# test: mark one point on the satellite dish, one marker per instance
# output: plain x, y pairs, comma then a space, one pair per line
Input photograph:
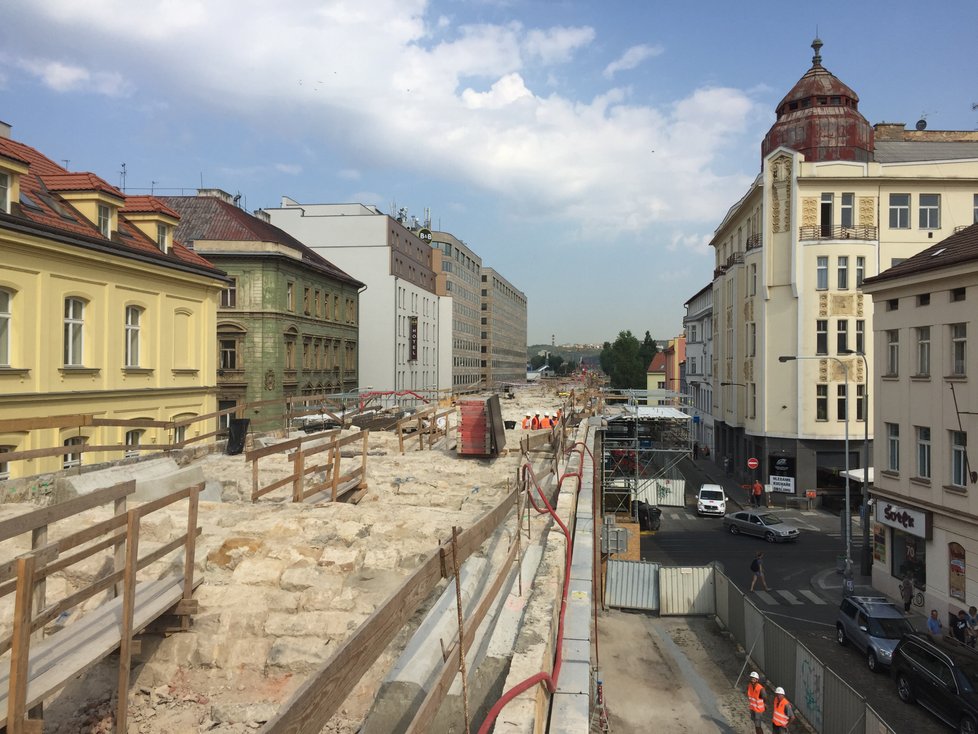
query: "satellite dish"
921, 124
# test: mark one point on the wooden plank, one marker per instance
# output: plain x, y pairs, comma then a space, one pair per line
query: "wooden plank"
52, 421
14, 526
272, 487
21, 648
312, 705
128, 610
9, 570
278, 448
130, 422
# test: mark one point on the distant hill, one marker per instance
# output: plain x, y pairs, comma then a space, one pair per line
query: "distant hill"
570, 352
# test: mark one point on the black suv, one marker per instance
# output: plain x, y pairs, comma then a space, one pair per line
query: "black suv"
942, 676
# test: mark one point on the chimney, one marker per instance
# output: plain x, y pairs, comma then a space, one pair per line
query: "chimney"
4, 130
889, 130
216, 194
263, 215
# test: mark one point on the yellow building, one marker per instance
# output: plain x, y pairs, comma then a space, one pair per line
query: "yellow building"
102, 317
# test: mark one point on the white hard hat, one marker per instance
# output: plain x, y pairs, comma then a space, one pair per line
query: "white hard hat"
754, 675
779, 691
527, 415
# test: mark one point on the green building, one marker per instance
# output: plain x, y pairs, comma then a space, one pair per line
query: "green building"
288, 323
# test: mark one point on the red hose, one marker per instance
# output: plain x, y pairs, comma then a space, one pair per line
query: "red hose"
550, 679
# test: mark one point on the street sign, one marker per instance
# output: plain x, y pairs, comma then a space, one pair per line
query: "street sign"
752, 463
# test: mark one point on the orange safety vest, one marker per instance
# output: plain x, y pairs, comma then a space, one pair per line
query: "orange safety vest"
754, 697
535, 423
545, 422
526, 423
779, 717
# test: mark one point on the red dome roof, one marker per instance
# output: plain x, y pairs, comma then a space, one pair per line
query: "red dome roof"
820, 118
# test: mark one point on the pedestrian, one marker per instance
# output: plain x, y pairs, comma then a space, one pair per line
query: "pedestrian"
960, 627
755, 700
535, 423
526, 422
934, 624
906, 592
726, 465
757, 568
696, 451
782, 713
972, 625
757, 493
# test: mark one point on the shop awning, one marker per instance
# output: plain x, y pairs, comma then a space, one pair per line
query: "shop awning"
857, 474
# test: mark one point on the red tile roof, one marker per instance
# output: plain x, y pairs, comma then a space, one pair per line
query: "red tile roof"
658, 363
959, 248
205, 218
42, 208
147, 204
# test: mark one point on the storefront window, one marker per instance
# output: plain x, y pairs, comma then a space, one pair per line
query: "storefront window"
908, 557
956, 566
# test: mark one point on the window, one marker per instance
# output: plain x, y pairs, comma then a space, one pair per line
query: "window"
5, 465
289, 353
846, 211
842, 336
841, 402
752, 391
132, 443
5, 195
930, 211
975, 206
306, 299
893, 304
860, 271
223, 421
104, 220
822, 336
957, 294
228, 353
923, 350
892, 352
893, 447
133, 315
318, 298
923, 299
73, 327
161, 232
843, 272
753, 279
751, 339
179, 434
72, 459
959, 343
229, 296
959, 458
899, 211
5, 299
826, 215
290, 296
821, 402
861, 336
860, 402
822, 273
923, 452
692, 333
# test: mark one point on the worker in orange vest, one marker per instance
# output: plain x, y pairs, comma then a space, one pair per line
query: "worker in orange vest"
535, 423
545, 423
782, 714
526, 423
755, 700
557, 416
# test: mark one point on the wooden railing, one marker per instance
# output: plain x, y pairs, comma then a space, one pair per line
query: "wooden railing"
39, 664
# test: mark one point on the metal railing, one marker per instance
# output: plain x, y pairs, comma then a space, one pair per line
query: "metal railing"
754, 241
830, 232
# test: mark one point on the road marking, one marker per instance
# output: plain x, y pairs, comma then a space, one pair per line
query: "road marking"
812, 596
766, 598
810, 512
792, 599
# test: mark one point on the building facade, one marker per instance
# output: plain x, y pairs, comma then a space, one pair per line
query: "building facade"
404, 324
503, 334
135, 315
925, 508
462, 269
698, 325
288, 319
836, 202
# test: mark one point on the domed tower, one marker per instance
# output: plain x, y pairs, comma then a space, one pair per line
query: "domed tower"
820, 118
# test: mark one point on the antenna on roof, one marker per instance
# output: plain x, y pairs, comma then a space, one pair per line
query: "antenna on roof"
122, 177
152, 186
66, 162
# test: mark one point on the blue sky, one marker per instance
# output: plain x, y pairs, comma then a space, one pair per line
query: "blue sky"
587, 150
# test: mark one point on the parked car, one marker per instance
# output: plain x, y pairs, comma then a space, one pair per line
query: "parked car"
765, 525
941, 675
711, 500
872, 624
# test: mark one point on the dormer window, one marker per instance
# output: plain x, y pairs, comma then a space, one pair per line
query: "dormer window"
104, 220
4, 193
161, 236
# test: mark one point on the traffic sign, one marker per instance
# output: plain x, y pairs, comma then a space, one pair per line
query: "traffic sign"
752, 463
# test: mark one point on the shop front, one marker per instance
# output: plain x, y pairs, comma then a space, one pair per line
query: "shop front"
900, 539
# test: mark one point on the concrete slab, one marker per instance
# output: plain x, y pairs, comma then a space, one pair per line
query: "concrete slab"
155, 478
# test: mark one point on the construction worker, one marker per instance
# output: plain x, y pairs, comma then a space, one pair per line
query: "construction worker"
782, 714
526, 422
755, 700
535, 423
545, 423
557, 416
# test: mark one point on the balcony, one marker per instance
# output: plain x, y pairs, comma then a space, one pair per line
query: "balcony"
826, 232
754, 241
736, 258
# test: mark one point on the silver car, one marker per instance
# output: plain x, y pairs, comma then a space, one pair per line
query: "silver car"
874, 625
765, 525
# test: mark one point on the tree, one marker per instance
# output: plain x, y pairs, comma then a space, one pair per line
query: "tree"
624, 361
648, 350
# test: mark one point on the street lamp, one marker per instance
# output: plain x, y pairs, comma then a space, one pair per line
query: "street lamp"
866, 557
848, 520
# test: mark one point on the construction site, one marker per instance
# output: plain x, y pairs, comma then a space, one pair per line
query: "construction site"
421, 568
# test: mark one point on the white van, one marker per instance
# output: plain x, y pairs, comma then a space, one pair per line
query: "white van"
711, 500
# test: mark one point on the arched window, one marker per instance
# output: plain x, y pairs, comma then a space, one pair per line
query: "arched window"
74, 332
5, 318
133, 439
73, 459
133, 317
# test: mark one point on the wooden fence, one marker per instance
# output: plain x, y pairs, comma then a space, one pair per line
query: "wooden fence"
39, 664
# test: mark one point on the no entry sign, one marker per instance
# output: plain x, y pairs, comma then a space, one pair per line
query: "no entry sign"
752, 463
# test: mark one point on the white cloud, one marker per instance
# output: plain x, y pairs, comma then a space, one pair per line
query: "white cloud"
293, 169
631, 59
350, 174
62, 77
421, 87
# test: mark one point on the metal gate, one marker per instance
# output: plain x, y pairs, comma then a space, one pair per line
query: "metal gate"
632, 585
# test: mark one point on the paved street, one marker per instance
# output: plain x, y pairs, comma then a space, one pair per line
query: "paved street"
804, 589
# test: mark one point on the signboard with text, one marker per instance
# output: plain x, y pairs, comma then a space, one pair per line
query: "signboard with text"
782, 484
781, 473
902, 518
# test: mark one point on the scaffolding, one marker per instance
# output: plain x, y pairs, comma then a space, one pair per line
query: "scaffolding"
641, 450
